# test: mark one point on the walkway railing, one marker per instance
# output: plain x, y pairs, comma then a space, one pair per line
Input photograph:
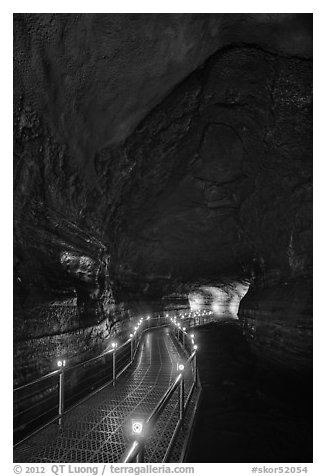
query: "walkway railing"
142, 431
45, 400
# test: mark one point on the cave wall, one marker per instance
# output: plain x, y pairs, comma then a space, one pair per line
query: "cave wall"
277, 321
157, 153
223, 301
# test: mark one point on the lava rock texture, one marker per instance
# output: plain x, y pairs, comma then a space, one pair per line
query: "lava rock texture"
156, 154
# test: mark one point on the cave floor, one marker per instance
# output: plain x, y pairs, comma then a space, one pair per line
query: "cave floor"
248, 413
96, 430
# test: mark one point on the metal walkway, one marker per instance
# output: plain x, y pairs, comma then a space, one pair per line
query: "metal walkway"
95, 431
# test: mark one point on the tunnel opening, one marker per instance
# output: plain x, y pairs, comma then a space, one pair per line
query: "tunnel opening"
223, 301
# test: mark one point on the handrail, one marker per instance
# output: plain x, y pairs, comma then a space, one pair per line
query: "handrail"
132, 453
164, 401
166, 397
33, 382
75, 366
136, 450
116, 367
80, 364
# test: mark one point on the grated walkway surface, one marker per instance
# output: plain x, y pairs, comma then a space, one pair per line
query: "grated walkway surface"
95, 431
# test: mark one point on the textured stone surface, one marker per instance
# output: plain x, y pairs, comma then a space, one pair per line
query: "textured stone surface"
135, 179
277, 322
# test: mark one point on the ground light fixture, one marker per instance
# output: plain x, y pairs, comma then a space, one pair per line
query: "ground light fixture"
61, 363
131, 336
181, 367
114, 345
195, 347
137, 428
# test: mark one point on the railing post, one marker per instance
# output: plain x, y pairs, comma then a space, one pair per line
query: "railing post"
181, 397
114, 345
61, 396
195, 368
61, 364
184, 337
131, 347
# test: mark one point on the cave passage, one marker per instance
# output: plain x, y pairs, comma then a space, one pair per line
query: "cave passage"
163, 165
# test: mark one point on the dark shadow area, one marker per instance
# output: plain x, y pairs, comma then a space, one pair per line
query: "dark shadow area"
247, 413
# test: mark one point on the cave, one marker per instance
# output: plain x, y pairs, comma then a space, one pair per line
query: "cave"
163, 164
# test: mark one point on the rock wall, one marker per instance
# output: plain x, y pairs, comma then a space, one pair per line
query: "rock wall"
145, 168
277, 321
222, 300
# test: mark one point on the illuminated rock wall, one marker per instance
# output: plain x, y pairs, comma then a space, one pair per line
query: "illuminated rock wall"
223, 300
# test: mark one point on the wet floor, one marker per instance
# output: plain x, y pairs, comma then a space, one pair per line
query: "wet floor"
247, 414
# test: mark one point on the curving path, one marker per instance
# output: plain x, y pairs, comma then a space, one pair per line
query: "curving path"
95, 431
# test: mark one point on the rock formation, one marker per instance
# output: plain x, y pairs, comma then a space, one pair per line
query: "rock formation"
159, 154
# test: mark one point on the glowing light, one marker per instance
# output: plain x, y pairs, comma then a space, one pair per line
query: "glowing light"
184, 329
131, 335
61, 363
195, 347
114, 345
181, 367
196, 301
135, 329
192, 336
137, 427
148, 317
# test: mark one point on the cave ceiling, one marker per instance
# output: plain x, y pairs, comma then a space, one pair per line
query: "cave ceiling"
153, 149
